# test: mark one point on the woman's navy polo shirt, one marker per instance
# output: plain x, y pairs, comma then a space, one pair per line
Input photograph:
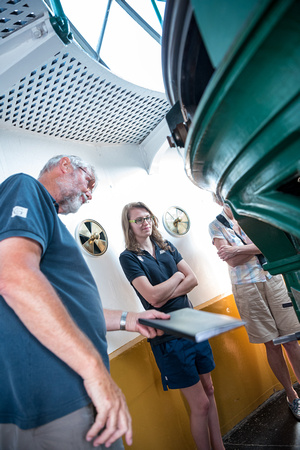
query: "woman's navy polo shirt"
156, 270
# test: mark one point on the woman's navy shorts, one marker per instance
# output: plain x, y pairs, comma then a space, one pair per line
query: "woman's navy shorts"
180, 362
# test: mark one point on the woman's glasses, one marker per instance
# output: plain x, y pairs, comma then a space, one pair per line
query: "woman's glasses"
141, 220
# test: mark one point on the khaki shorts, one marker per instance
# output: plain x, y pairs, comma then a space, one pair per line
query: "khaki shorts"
66, 433
260, 306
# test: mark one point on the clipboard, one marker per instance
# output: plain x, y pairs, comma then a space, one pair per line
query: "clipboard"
196, 325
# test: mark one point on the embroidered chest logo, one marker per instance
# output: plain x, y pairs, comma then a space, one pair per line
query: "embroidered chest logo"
19, 211
140, 258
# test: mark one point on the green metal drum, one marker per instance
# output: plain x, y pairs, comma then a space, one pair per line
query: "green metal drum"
243, 138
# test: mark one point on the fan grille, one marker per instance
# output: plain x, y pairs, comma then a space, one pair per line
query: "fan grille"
92, 237
176, 221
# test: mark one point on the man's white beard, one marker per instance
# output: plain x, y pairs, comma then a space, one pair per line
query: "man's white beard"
72, 199
70, 205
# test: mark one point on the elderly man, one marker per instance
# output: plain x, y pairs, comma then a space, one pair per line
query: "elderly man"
56, 391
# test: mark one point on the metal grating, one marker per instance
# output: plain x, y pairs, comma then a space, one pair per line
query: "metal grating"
71, 96
15, 14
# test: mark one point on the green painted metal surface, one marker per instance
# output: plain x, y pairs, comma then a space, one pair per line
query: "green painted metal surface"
60, 22
221, 22
244, 140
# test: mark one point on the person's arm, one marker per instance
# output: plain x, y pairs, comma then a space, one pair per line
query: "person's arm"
37, 305
113, 317
189, 282
159, 294
235, 255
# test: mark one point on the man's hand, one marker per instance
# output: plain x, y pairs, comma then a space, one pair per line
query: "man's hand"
113, 419
132, 323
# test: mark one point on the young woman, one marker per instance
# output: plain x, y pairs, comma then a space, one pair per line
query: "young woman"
162, 279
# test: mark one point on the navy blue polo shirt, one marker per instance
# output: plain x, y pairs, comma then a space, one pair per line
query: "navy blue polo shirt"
36, 387
157, 270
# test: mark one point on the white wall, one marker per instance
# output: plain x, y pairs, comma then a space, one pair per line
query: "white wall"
123, 179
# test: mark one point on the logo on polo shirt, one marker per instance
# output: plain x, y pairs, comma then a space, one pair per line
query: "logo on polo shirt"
162, 251
19, 211
140, 258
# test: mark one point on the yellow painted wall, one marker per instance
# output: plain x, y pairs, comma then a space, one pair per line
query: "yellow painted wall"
242, 380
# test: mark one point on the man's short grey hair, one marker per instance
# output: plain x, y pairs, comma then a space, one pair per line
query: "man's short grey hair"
76, 162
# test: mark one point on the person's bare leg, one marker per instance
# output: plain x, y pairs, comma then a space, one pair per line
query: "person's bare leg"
199, 405
293, 353
213, 416
279, 367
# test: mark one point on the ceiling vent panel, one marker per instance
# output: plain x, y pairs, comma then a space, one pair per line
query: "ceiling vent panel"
61, 91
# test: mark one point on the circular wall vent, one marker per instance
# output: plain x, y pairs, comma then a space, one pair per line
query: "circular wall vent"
92, 237
176, 221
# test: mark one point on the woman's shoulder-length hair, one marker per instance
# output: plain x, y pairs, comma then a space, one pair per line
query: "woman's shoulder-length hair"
130, 240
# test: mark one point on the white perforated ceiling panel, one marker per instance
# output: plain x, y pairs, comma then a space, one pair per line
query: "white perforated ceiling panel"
15, 14
69, 95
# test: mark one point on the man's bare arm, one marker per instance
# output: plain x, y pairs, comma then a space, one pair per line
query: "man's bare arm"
112, 319
37, 305
235, 255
